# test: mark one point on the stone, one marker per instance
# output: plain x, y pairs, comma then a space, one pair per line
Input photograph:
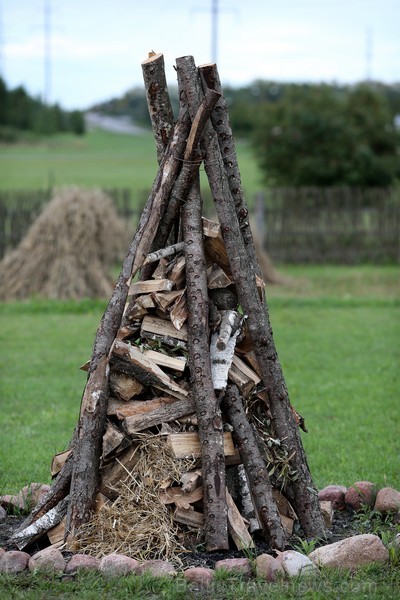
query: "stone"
14, 561
359, 494
351, 553
27, 497
199, 575
294, 563
241, 565
2, 551
335, 494
50, 559
157, 568
3, 513
327, 512
118, 564
268, 567
82, 561
387, 500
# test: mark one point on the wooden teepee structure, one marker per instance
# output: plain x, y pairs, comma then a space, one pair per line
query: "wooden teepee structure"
195, 328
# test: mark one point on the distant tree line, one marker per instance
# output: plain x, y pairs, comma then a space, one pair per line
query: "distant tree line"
307, 134
20, 112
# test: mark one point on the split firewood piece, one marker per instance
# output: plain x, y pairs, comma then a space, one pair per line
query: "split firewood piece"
187, 445
249, 512
121, 409
124, 386
216, 253
154, 328
164, 360
58, 462
139, 307
217, 278
181, 499
190, 518
222, 348
286, 512
177, 273
191, 480
128, 359
211, 229
56, 534
37, 529
151, 285
244, 377
178, 312
236, 525
164, 253
156, 412
163, 300
112, 438
256, 470
117, 471
162, 269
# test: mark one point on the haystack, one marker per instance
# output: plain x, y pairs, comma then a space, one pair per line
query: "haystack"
68, 251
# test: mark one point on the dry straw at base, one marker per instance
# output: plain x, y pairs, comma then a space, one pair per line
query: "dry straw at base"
68, 251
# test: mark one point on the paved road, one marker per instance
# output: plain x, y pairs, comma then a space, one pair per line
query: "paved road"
116, 124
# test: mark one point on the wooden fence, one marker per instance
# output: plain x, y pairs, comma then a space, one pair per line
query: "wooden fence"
305, 225
19, 209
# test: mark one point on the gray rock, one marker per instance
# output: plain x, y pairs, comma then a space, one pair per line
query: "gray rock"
50, 559
387, 500
14, 561
118, 564
199, 575
242, 565
335, 494
82, 561
268, 567
359, 494
351, 552
157, 568
294, 563
2, 551
3, 513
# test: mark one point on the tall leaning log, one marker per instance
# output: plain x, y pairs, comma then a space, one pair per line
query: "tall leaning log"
91, 425
305, 495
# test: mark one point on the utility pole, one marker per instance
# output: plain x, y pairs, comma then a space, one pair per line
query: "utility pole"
47, 51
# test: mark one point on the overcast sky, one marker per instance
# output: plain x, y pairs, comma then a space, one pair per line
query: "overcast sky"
97, 46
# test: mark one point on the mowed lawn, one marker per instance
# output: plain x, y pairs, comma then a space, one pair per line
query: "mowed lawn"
337, 331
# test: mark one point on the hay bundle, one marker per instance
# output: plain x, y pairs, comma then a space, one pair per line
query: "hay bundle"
137, 523
68, 251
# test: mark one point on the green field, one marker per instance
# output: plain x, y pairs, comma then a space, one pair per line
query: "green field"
99, 159
337, 331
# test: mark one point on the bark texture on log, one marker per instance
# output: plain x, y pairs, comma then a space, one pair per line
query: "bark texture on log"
158, 101
256, 470
305, 496
207, 408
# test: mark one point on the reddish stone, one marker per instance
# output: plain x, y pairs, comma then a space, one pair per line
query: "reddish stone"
118, 564
14, 561
242, 565
351, 553
82, 561
335, 494
387, 500
27, 498
157, 568
267, 567
3, 513
200, 575
49, 559
360, 494
2, 551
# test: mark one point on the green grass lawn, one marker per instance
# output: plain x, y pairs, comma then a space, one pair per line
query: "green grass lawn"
98, 159
337, 331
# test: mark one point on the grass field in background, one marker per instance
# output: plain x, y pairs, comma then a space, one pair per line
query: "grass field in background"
337, 330
98, 159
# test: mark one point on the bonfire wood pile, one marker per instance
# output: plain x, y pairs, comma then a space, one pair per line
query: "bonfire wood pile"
184, 355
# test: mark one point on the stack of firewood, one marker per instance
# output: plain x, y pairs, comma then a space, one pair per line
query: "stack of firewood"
186, 352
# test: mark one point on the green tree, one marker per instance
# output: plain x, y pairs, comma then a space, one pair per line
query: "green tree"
325, 136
